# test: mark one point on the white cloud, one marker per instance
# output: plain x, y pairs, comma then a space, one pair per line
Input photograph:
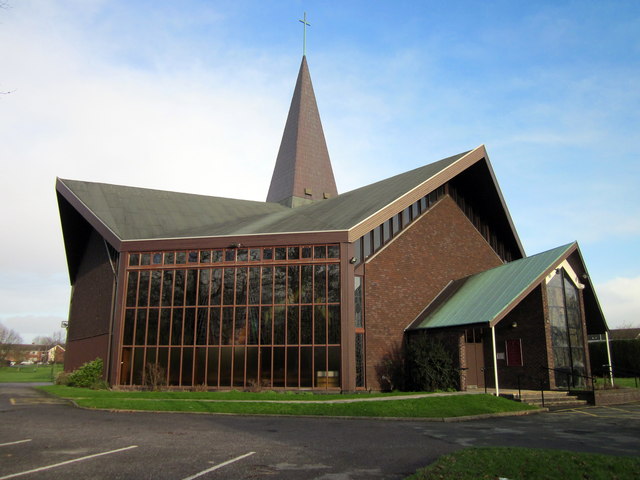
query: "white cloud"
620, 301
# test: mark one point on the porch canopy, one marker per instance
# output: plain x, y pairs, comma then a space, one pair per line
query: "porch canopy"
485, 298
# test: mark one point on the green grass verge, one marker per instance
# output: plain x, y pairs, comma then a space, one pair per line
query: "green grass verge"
72, 392
529, 464
254, 403
28, 373
625, 382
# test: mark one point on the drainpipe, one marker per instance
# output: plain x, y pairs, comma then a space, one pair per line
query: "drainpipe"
114, 289
495, 360
606, 337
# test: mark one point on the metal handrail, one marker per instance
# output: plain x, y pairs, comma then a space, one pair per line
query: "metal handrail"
572, 374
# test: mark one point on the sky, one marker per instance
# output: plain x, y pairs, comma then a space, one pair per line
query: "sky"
192, 96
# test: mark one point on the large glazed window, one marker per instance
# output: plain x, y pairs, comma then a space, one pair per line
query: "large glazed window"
567, 337
240, 317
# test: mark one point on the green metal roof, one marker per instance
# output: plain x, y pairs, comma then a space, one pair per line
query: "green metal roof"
483, 297
142, 214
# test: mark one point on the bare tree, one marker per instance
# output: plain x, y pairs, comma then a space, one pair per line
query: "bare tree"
9, 339
57, 338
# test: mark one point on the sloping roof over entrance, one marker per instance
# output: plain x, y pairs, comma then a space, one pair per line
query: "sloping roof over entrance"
487, 297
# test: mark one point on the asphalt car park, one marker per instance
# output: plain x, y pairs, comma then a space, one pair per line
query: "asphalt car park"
45, 438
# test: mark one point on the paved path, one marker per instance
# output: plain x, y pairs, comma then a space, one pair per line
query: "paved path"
75, 443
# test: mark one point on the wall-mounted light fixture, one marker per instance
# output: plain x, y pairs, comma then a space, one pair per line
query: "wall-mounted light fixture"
353, 260
514, 325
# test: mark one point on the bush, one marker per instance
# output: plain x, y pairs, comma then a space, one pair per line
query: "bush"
89, 375
429, 365
155, 376
62, 378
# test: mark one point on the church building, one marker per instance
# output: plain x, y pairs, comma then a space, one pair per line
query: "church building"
317, 290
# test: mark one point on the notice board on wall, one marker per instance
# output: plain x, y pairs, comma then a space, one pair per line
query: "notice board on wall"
514, 352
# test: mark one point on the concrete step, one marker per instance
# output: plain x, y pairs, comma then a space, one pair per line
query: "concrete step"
551, 399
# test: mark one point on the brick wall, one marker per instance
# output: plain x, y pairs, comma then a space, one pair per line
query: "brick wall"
81, 351
90, 311
409, 272
532, 330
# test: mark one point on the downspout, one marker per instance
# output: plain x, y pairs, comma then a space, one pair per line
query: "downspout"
495, 360
606, 337
114, 290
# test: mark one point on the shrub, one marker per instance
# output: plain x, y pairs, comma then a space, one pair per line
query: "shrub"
155, 376
62, 378
89, 375
391, 369
429, 365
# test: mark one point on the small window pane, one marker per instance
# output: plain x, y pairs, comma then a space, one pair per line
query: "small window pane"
178, 289
266, 317
216, 256
254, 254
145, 259
377, 238
181, 257
157, 258
169, 258
134, 259
279, 325
333, 251
406, 217
243, 255
366, 245
193, 257
320, 252
205, 256
229, 255
281, 253
132, 288
293, 253
395, 224
306, 252
176, 327
267, 284
214, 326
267, 254
143, 289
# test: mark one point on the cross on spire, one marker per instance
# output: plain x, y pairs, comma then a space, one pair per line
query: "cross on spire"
304, 33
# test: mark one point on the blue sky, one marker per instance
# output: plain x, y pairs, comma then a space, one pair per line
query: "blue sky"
192, 96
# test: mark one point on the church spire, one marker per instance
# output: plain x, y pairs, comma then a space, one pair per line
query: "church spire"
303, 172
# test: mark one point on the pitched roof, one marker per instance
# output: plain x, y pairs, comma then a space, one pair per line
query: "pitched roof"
486, 297
303, 170
132, 213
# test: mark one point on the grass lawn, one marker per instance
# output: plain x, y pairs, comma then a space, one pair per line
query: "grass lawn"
529, 464
28, 373
289, 404
625, 382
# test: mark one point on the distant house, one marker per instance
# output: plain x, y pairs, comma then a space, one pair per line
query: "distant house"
56, 354
26, 353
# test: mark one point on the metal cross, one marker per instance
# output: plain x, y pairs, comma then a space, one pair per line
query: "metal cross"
304, 34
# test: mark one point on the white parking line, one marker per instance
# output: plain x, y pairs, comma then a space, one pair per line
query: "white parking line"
215, 467
15, 443
13, 475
